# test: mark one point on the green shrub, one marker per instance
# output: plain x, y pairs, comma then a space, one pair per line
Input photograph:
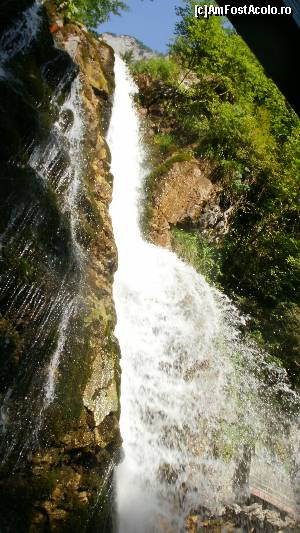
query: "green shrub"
196, 250
163, 68
165, 143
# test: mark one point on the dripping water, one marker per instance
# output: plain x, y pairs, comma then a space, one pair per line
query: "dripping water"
20, 35
56, 163
43, 160
201, 426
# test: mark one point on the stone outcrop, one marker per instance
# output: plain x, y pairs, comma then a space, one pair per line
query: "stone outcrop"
182, 194
181, 191
57, 461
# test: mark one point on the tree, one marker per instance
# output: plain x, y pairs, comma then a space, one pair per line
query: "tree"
91, 12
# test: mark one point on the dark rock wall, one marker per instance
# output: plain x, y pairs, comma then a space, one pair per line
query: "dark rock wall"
56, 271
10, 9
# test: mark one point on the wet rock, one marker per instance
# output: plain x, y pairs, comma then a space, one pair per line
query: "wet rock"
83, 497
254, 517
74, 444
101, 395
10, 10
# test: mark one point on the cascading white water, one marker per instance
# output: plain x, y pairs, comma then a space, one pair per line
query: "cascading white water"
194, 408
65, 179
43, 160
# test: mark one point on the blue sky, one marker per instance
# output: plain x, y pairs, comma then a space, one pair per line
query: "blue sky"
152, 22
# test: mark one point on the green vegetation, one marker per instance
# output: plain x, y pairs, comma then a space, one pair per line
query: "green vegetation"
215, 100
165, 143
196, 250
91, 12
162, 68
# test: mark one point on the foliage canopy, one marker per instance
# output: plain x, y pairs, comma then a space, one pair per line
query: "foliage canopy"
91, 12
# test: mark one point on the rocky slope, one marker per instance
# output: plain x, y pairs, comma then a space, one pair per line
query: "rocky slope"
59, 359
181, 191
184, 191
254, 517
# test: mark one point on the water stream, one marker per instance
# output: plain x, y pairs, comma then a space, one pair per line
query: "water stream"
66, 134
200, 421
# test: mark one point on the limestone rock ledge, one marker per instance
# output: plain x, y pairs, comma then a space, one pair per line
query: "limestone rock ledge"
62, 481
183, 192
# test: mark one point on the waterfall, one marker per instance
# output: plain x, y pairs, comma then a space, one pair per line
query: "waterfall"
66, 134
202, 425
67, 131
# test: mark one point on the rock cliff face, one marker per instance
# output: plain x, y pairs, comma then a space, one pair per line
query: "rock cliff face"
125, 44
59, 368
183, 192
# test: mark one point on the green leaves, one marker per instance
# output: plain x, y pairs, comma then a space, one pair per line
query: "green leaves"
162, 68
92, 12
196, 250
